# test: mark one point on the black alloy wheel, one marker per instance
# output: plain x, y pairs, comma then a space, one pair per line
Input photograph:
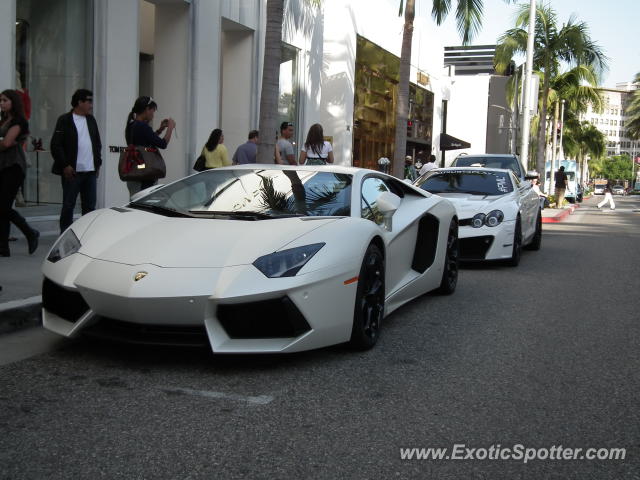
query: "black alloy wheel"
451, 262
517, 245
536, 241
369, 307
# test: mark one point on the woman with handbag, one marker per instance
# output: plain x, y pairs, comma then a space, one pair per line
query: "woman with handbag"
316, 150
138, 132
214, 152
14, 129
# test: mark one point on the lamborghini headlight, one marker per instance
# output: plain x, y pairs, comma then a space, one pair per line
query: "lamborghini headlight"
66, 245
478, 220
494, 218
286, 263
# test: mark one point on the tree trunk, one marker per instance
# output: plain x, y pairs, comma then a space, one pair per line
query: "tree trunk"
542, 141
402, 112
268, 125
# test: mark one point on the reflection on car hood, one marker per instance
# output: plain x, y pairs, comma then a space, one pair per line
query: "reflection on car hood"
135, 237
467, 205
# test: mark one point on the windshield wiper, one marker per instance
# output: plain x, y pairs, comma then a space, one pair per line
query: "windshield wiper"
167, 211
243, 214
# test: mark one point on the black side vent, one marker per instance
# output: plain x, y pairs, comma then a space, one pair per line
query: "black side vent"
277, 318
62, 302
119, 209
426, 243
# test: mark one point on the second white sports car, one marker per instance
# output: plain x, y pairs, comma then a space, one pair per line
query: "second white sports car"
498, 213
253, 258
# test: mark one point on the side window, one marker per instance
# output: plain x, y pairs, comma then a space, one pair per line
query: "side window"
371, 189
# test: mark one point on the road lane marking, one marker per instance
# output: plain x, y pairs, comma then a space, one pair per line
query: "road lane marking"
253, 400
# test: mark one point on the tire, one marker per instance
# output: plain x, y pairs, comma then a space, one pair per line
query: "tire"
517, 245
451, 261
536, 241
369, 306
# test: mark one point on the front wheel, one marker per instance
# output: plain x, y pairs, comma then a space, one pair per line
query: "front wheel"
517, 245
369, 307
450, 271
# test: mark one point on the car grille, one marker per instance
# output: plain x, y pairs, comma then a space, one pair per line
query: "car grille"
277, 318
475, 248
62, 302
127, 332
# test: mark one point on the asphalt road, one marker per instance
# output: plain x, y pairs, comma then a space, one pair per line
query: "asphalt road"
541, 355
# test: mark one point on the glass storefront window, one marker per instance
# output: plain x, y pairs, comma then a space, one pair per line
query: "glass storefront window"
376, 96
54, 57
288, 94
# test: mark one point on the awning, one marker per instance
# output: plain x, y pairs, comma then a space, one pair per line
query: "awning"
448, 142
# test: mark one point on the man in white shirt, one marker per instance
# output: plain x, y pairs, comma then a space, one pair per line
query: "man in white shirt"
76, 151
430, 165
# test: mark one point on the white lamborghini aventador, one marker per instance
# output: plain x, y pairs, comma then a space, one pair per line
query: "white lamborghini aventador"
498, 213
252, 258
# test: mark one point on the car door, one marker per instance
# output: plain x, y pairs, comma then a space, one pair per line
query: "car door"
401, 240
529, 207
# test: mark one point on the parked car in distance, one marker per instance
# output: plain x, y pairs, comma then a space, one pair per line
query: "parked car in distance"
492, 160
618, 190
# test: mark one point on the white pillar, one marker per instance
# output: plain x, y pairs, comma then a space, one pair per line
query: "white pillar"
117, 61
205, 73
7, 44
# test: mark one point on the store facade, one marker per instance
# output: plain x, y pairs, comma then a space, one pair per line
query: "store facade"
201, 61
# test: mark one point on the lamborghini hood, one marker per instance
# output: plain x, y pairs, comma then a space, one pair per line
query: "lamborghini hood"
136, 237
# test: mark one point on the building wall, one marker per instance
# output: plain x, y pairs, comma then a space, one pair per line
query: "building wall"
467, 114
206, 68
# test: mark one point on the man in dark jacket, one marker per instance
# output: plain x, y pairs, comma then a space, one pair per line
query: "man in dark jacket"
76, 152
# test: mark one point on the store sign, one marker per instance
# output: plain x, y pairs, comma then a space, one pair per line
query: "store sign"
423, 78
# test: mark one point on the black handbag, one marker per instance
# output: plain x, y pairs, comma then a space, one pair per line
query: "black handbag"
199, 166
141, 164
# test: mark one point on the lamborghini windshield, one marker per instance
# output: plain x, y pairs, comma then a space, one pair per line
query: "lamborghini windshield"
476, 182
254, 194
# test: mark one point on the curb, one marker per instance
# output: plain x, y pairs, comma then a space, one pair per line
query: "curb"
20, 314
561, 215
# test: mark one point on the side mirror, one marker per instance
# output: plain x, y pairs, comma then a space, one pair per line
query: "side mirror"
143, 193
388, 203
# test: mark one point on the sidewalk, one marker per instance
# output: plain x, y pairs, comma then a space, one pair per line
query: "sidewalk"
555, 215
21, 281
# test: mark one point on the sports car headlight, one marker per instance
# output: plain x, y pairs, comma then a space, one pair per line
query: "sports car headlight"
286, 263
66, 245
478, 220
494, 218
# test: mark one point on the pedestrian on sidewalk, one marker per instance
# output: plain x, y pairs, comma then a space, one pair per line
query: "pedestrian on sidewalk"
247, 152
535, 186
138, 132
608, 197
214, 151
561, 186
284, 148
316, 150
14, 129
76, 151
430, 165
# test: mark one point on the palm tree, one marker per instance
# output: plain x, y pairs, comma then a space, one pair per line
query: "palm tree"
570, 44
633, 112
268, 123
468, 19
585, 142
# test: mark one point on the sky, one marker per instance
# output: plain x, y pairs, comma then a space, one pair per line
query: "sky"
613, 24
